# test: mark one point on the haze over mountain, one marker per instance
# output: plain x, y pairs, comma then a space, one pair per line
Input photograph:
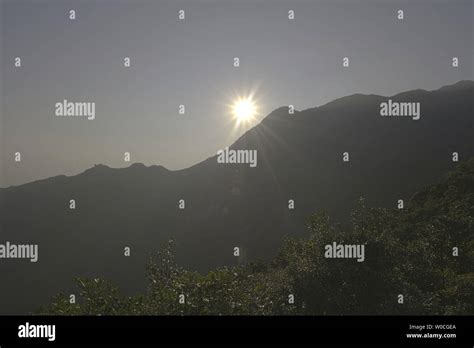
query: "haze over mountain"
190, 62
300, 157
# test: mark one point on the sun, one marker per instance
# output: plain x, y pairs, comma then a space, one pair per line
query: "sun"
244, 109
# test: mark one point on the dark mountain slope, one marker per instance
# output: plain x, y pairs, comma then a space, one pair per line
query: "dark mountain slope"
299, 157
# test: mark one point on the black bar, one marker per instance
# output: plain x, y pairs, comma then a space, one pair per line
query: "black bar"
346, 330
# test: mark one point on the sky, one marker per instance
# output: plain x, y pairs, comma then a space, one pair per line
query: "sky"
190, 62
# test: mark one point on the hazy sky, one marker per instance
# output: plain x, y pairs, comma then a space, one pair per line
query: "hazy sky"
190, 62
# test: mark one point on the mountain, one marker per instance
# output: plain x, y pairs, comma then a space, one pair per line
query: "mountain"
300, 157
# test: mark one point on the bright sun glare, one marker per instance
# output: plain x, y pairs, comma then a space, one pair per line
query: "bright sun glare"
244, 109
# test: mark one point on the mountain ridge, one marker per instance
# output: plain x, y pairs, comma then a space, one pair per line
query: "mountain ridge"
279, 113
228, 205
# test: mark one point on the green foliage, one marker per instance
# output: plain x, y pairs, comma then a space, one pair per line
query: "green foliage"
408, 252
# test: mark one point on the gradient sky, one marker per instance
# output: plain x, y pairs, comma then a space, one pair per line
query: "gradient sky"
190, 62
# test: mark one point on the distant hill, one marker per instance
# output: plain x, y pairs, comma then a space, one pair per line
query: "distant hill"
299, 158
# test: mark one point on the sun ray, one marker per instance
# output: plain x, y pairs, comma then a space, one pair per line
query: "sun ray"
241, 125
244, 109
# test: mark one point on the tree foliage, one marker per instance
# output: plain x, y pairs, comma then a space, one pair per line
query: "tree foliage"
408, 252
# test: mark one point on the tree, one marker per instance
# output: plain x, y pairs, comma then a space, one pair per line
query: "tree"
424, 253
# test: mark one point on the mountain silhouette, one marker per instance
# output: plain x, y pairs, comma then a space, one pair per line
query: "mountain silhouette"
300, 158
